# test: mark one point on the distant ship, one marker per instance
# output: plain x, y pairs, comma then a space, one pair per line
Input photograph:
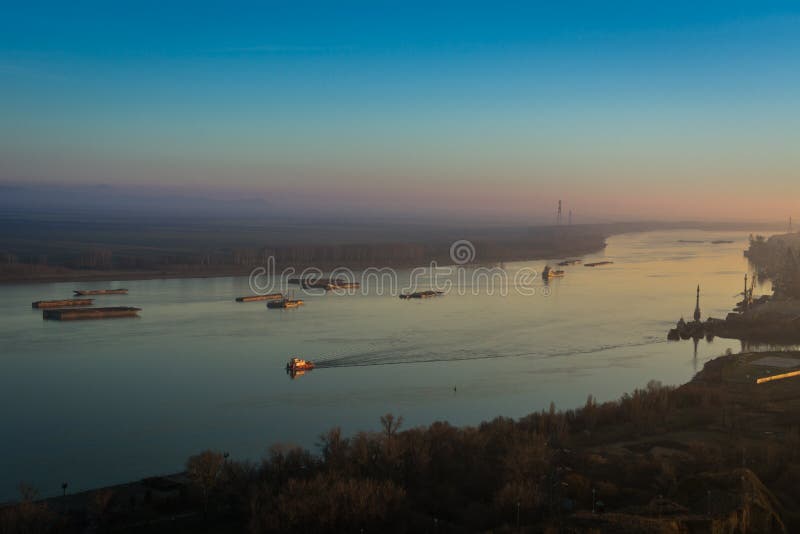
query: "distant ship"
565, 263
284, 303
551, 273
85, 292
298, 364
422, 294
297, 367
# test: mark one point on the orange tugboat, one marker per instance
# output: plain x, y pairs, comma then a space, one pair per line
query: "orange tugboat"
298, 367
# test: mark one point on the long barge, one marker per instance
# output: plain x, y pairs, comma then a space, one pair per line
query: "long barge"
84, 292
421, 295
256, 298
74, 314
63, 303
327, 284
597, 263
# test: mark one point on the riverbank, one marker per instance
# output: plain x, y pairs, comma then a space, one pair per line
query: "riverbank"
379, 257
718, 454
770, 318
70, 248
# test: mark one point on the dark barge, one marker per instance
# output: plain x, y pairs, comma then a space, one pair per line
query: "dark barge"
422, 295
75, 314
84, 292
328, 284
63, 303
256, 298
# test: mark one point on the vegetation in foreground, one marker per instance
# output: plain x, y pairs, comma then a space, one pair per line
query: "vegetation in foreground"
719, 454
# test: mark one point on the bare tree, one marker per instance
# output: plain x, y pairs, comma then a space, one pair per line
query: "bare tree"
391, 424
205, 469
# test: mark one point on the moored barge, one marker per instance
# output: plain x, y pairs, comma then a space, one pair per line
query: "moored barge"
63, 303
256, 298
74, 314
422, 294
84, 292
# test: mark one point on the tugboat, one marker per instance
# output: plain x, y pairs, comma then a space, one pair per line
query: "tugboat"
549, 273
285, 302
298, 367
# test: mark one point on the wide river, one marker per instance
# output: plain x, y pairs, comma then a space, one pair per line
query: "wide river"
94, 403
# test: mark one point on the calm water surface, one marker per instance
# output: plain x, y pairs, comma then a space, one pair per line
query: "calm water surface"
101, 402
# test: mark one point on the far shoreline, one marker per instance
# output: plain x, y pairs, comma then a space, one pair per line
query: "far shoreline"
493, 247
77, 276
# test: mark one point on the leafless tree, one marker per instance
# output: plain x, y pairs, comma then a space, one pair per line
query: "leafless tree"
205, 469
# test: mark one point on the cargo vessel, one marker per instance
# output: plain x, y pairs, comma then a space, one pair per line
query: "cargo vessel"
422, 294
549, 273
74, 314
84, 292
256, 298
284, 303
63, 303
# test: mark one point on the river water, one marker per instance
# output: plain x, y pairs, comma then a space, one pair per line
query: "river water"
100, 402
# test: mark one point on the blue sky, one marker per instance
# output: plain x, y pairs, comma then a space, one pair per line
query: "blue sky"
491, 108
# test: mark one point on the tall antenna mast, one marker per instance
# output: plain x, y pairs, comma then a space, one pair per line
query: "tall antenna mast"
697, 306
558, 216
569, 220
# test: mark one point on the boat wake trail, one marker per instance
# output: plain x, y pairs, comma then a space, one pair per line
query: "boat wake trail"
394, 358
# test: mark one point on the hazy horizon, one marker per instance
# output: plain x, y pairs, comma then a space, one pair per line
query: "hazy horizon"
454, 110
36, 200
